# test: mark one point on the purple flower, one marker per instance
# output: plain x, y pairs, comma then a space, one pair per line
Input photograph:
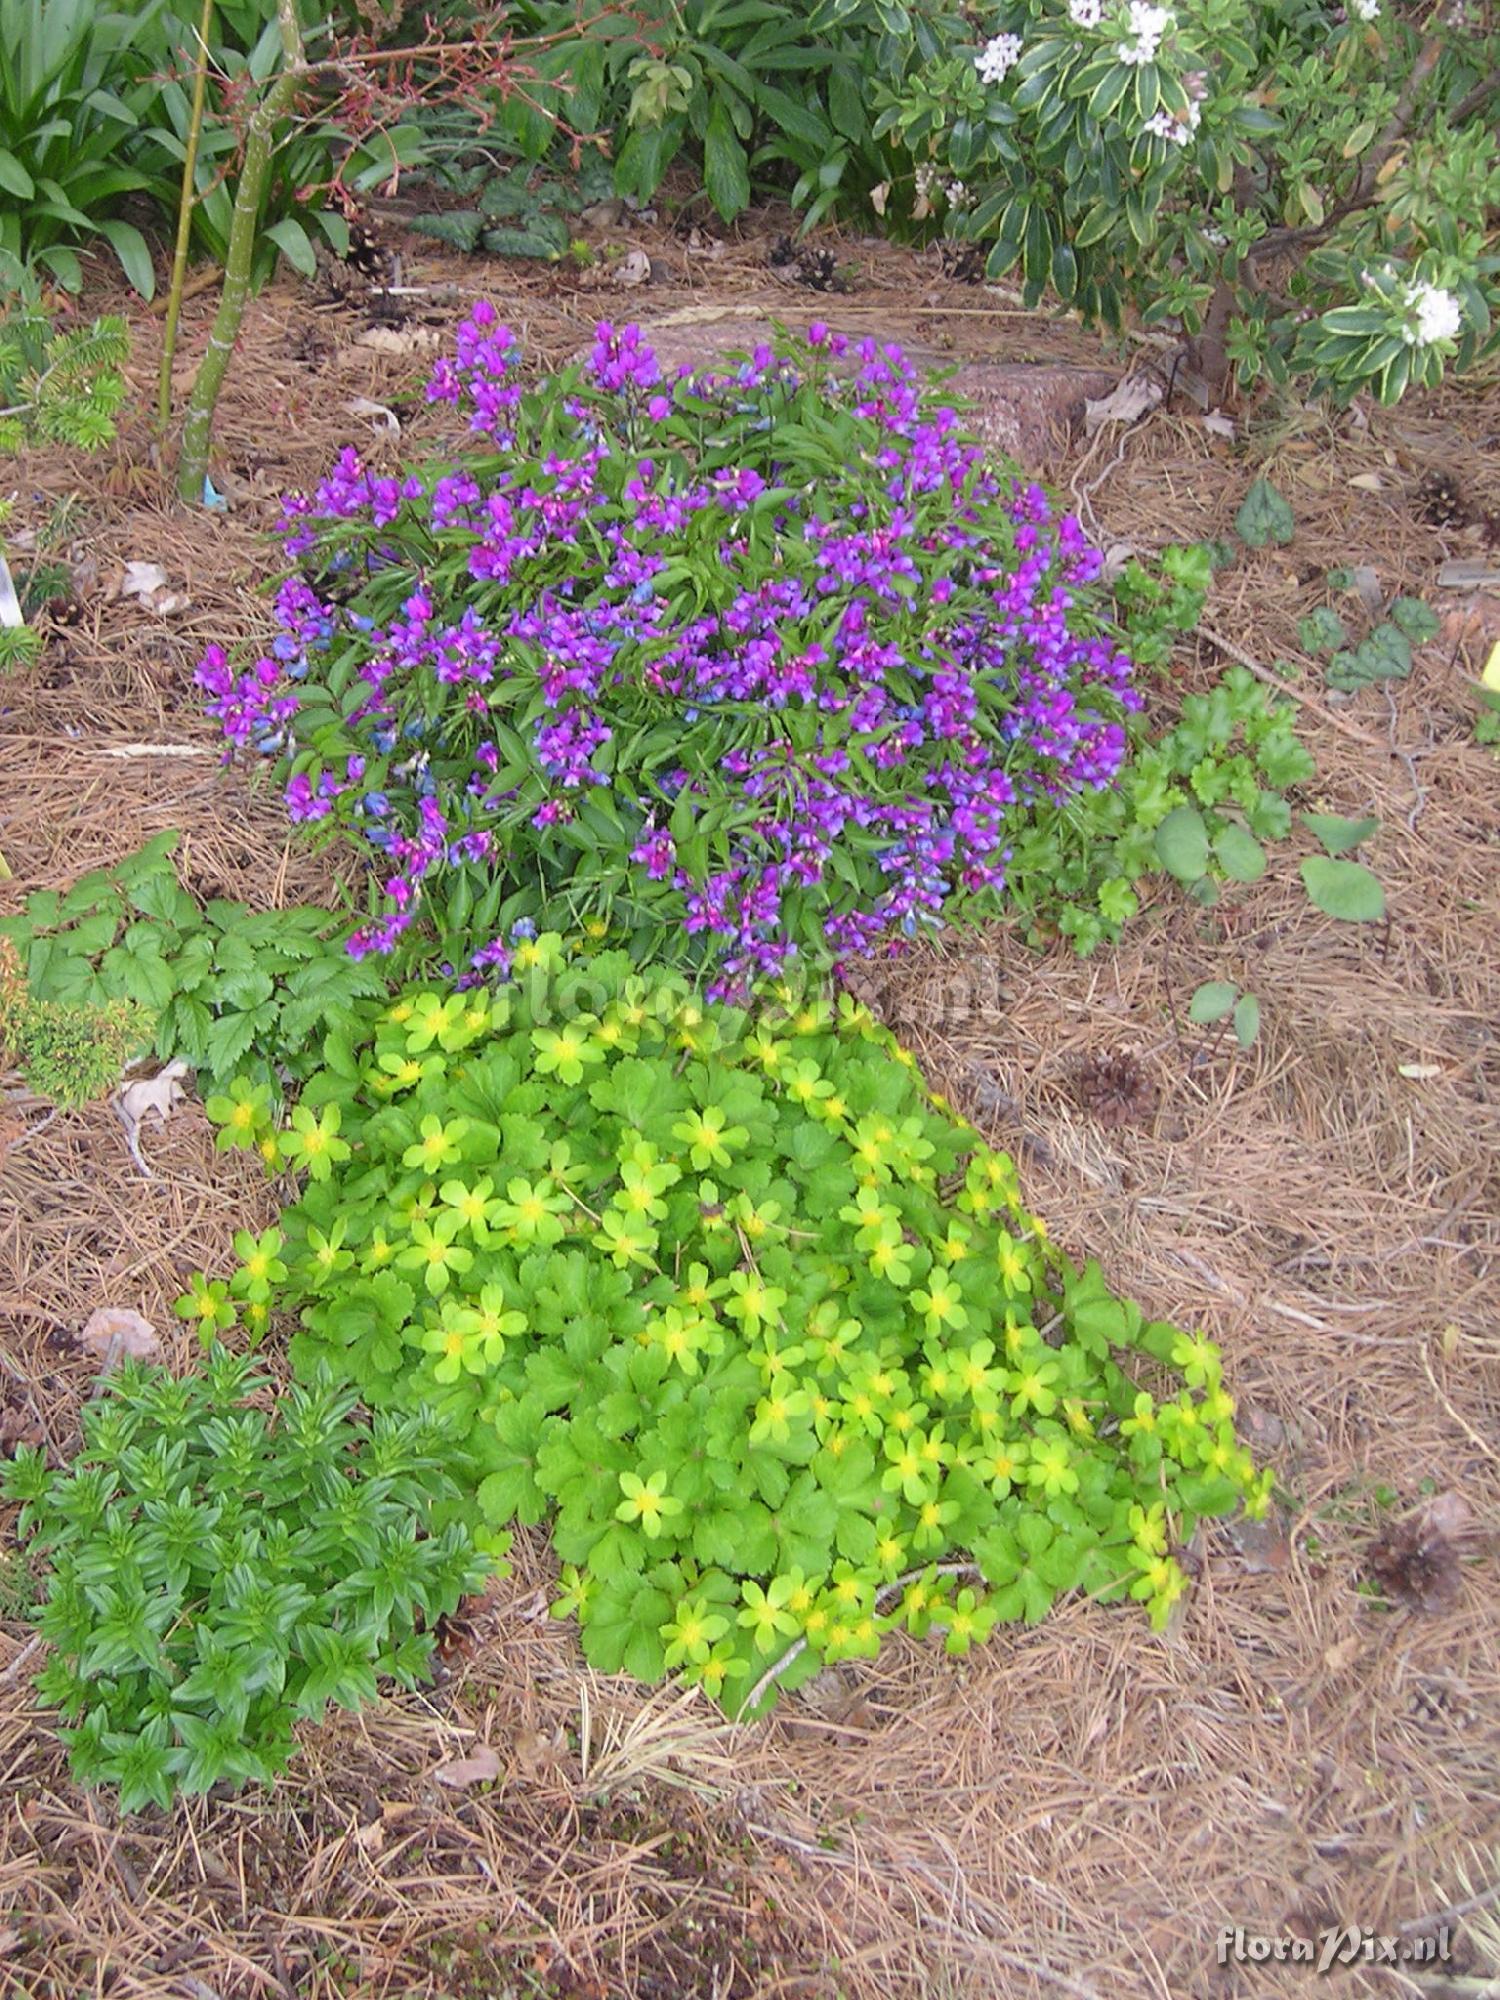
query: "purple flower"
860, 695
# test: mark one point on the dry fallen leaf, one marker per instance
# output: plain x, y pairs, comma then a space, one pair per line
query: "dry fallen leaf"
400, 339
371, 1836
1218, 425
146, 582
1343, 1655
382, 417
1262, 1545
1447, 1514
480, 1767
115, 1332
1368, 482
634, 268
1115, 558
1365, 582
1131, 399
142, 579
1419, 1072
536, 1752
159, 1094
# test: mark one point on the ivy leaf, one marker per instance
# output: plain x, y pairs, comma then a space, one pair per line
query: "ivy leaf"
1264, 516
1384, 656
1322, 630
511, 1491
740, 1539
805, 1524
1343, 889
460, 228
1418, 621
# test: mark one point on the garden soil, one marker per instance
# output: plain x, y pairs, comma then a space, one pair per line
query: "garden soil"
1083, 1808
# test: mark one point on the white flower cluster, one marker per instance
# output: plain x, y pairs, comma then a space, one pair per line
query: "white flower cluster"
1432, 314
1365, 10
1085, 13
926, 180
1147, 26
997, 57
1177, 130
959, 195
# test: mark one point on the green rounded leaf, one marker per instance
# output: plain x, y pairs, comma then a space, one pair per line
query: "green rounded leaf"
1343, 889
1337, 835
1212, 1002
1240, 854
1182, 844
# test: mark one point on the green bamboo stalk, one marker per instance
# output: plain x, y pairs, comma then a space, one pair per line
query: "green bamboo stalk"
184, 219
197, 429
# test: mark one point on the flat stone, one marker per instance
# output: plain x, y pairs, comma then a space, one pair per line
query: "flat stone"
1026, 410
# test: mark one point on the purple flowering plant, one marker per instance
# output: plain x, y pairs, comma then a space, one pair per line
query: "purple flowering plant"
752, 668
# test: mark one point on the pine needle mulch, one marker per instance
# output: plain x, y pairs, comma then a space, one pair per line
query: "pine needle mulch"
1082, 1808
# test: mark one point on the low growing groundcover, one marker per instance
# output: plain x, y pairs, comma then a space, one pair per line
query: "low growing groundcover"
761, 1330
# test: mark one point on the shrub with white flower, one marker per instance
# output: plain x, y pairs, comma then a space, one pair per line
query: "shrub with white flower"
998, 58
1145, 27
1304, 188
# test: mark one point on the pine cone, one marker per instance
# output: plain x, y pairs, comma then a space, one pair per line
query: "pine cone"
1116, 1089
1441, 501
1415, 1564
963, 263
1417, 1561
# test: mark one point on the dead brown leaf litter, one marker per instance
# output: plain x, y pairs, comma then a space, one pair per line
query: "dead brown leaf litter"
1083, 1807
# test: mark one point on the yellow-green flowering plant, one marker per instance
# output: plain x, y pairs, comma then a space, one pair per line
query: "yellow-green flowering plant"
765, 1333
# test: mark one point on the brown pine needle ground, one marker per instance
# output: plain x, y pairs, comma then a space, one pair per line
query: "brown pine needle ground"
1079, 1809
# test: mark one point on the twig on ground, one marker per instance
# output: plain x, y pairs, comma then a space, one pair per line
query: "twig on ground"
1408, 759
1462, 1421
1417, 1926
12, 1672
132, 1136
1238, 654
883, 1596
